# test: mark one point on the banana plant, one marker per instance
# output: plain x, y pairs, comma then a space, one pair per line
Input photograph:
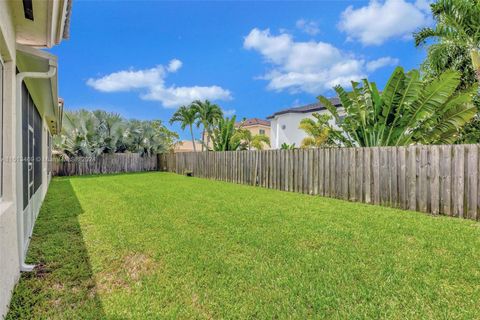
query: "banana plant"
408, 111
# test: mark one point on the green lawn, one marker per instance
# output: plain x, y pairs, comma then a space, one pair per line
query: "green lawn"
159, 245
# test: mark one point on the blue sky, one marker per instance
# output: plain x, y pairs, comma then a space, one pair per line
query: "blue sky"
143, 59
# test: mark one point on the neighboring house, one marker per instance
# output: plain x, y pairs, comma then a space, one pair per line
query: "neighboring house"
285, 123
256, 126
187, 146
30, 115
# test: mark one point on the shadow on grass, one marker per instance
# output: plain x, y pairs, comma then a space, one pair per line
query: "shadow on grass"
103, 175
62, 286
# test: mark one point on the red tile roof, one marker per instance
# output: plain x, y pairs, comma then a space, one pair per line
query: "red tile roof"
254, 122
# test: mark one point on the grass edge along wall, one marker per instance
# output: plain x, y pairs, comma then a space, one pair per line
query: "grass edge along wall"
437, 179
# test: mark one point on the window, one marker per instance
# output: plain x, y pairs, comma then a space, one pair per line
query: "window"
31, 146
49, 152
262, 131
37, 149
25, 138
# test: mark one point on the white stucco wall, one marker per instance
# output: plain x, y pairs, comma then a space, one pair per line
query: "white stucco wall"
9, 260
285, 128
11, 178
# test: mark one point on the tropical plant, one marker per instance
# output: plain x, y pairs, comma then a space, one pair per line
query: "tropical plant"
186, 115
110, 130
457, 28
87, 133
442, 57
77, 137
224, 137
286, 146
409, 110
317, 130
471, 132
248, 140
207, 115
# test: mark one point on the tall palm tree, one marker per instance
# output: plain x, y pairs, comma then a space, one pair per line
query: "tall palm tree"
458, 25
317, 130
207, 115
186, 115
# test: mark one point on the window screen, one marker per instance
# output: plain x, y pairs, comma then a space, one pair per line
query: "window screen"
31, 146
25, 134
49, 152
37, 149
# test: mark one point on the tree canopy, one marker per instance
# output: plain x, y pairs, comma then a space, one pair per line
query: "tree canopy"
91, 133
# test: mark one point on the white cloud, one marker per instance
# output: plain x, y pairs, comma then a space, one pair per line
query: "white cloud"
151, 83
229, 112
174, 65
382, 62
377, 22
173, 97
312, 67
307, 26
128, 79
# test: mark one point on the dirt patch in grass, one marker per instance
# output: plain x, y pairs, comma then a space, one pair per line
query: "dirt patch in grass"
126, 272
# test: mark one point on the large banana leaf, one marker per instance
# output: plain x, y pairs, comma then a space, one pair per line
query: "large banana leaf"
409, 110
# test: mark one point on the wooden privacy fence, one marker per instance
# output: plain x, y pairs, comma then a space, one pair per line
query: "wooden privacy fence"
433, 179
107, 163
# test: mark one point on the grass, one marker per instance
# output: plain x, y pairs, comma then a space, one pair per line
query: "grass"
159, 245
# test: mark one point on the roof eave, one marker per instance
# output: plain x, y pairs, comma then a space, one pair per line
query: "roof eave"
44, 92
49, 26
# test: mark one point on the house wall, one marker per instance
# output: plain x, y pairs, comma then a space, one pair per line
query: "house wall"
255, 129
285, 128
10, 204
187, 146
9, 259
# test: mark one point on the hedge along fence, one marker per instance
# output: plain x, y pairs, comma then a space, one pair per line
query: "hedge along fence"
433, 179
107, 163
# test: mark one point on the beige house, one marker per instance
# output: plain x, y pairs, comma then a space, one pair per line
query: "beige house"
256, 126
187, 146
30, 115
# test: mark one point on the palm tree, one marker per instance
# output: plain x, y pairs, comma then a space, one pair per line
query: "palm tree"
109, 130
458, 25
249, 140
87, 133
187, 117
409, 110
224, 135
207, 114
317, 130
